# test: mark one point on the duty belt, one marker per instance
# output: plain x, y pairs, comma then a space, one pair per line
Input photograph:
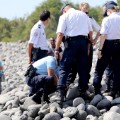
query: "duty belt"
39, 49
82, 36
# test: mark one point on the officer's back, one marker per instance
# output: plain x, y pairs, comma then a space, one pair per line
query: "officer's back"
75, 19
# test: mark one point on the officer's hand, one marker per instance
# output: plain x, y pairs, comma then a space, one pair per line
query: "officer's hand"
56, 54
99, 54
29, 61
89, 46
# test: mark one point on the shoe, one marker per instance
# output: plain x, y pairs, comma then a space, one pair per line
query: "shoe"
58, 97
85, 94
45, 98
114, 93
37, 97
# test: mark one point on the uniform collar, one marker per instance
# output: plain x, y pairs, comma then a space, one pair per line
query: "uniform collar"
71, 9
114, 13
41, 23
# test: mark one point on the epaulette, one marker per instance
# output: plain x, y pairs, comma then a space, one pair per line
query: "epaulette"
90, 17
39, 26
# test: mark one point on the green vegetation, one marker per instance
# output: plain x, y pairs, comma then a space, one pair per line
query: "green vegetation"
19, 29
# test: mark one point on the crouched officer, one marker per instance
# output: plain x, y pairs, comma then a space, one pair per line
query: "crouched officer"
42, 78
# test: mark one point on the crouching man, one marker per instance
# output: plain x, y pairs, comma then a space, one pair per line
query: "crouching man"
42, 77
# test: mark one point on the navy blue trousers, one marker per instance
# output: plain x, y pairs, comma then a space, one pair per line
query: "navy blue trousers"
39, 82
72, 75
111, 56
77, 52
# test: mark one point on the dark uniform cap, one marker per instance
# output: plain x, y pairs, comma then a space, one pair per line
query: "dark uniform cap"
110, 3
110, 6
62, 8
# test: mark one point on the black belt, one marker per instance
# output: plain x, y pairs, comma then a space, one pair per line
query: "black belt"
39, 49
81, 36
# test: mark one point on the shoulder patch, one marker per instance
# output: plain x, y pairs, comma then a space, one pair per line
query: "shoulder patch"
39, 26
90, 17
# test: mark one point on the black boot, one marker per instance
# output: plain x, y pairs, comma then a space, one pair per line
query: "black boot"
37, 97
59, 97
114, 93
85, 94
45, 98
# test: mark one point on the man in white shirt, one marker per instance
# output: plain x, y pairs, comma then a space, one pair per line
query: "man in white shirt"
84, 7
76, 26
109, 50
37, 45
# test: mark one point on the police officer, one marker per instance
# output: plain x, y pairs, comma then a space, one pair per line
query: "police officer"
109, 50
108, 71
71, 24
42, 78
37, 45
84, 7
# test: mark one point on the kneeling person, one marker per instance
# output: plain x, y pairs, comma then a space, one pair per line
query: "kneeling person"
42, 78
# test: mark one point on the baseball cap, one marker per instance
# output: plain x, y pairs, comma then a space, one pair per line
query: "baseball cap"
110, 6
111, 3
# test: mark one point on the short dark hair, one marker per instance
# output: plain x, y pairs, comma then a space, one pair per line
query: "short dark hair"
44, 15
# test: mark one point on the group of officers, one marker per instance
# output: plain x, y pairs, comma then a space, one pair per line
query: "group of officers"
75, 31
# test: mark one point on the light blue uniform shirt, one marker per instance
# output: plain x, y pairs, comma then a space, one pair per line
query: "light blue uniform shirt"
46, 63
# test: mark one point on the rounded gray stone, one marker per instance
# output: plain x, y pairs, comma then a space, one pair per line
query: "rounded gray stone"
70, 111
115, 101
92, 110
52, 116
81, 106
96, 99
91, 117
105, 103
72, 92
81, 115
115, 109
59, 111
27, 103
33, 110
15, 103
65, 118
78, 101
111, 116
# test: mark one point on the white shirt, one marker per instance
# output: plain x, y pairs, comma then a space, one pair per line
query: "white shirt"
74, 23
118, 13
38, 36
95, 25
111, 26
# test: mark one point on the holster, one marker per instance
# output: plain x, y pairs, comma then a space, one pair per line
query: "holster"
65, 41
31, 72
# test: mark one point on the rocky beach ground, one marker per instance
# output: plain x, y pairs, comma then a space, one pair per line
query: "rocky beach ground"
16, 105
